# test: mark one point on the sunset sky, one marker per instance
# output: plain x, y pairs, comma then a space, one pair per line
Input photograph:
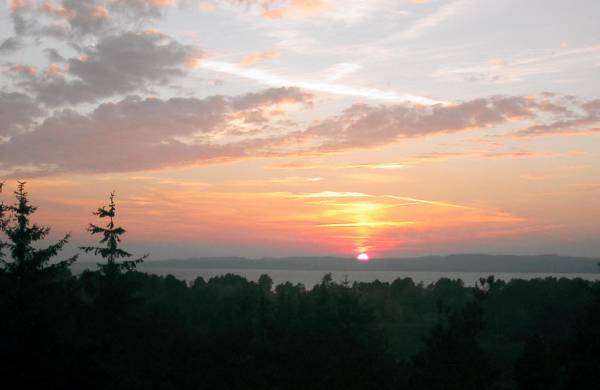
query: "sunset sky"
308, 127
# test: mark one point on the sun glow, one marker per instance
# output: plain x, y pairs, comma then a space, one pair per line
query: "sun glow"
362, 257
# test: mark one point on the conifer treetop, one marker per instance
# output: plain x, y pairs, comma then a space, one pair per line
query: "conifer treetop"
2, 223
22, 234
111, 237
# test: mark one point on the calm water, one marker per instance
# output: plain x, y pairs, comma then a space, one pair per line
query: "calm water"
310, 278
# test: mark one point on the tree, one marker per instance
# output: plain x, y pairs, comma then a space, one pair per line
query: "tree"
536, 367
28, 261
582, 355
452, 357
116, 307
2, 223
111, 239
34, 297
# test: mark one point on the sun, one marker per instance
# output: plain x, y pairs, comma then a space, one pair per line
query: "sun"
362, 257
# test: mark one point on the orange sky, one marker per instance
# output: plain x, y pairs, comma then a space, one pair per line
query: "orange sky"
276, 128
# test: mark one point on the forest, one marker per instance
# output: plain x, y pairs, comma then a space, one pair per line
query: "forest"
118, 328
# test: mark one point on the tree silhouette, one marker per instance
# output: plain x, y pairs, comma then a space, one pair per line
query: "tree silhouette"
582, 355
26, 259
452, 357
111, 239
33, 296
2, 223
536, 367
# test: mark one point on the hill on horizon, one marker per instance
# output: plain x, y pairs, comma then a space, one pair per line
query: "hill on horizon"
449, 263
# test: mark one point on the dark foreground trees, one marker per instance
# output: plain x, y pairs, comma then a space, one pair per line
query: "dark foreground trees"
118, 328
35, 296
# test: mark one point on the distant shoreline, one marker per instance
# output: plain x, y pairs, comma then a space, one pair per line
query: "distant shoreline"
451, 263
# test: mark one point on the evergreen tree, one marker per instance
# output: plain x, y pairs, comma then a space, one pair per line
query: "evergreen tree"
113, 337
452, 357
111, 239
2, 223
34, 298
582, 355
28, 261
536, 367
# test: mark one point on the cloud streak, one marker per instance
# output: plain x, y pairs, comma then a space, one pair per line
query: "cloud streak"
272, 79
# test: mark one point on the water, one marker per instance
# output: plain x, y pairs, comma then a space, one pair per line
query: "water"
310, 278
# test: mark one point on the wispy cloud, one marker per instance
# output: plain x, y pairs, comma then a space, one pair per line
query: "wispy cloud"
386, 166
519, 67
431, 21
272, 79
374, 224
428, 22
334, 194
260, 56
427, 202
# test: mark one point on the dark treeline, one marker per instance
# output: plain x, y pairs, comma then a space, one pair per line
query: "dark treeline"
117, 328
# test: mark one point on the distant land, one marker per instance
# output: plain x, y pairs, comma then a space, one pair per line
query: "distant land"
451, 263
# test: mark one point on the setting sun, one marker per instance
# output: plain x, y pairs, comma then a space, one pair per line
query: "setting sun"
363, 257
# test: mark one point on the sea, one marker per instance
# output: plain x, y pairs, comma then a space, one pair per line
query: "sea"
310, 278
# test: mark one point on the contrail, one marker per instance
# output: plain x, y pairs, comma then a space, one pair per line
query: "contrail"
271, 79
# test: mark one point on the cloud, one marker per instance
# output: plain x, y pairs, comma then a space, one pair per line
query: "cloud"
520, 67
426, 158
286, 8
10, 44
260, 56
17, 112
281, 9
334, 194
137, 134
363, 126
339, 11
206, 6
144, 8
275, 80
431, 21
111, 57
272, 97
60, 19
25, 70
53, 55
54, 70
373, 224
132, 134
117, 64
577, 118
385, 166
76, 18
341, 70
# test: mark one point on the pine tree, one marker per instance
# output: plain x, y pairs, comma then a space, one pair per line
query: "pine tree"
36, 298
28, 261
111, 239
2, 223
452, 357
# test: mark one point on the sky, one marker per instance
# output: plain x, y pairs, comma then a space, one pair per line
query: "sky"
308, 127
